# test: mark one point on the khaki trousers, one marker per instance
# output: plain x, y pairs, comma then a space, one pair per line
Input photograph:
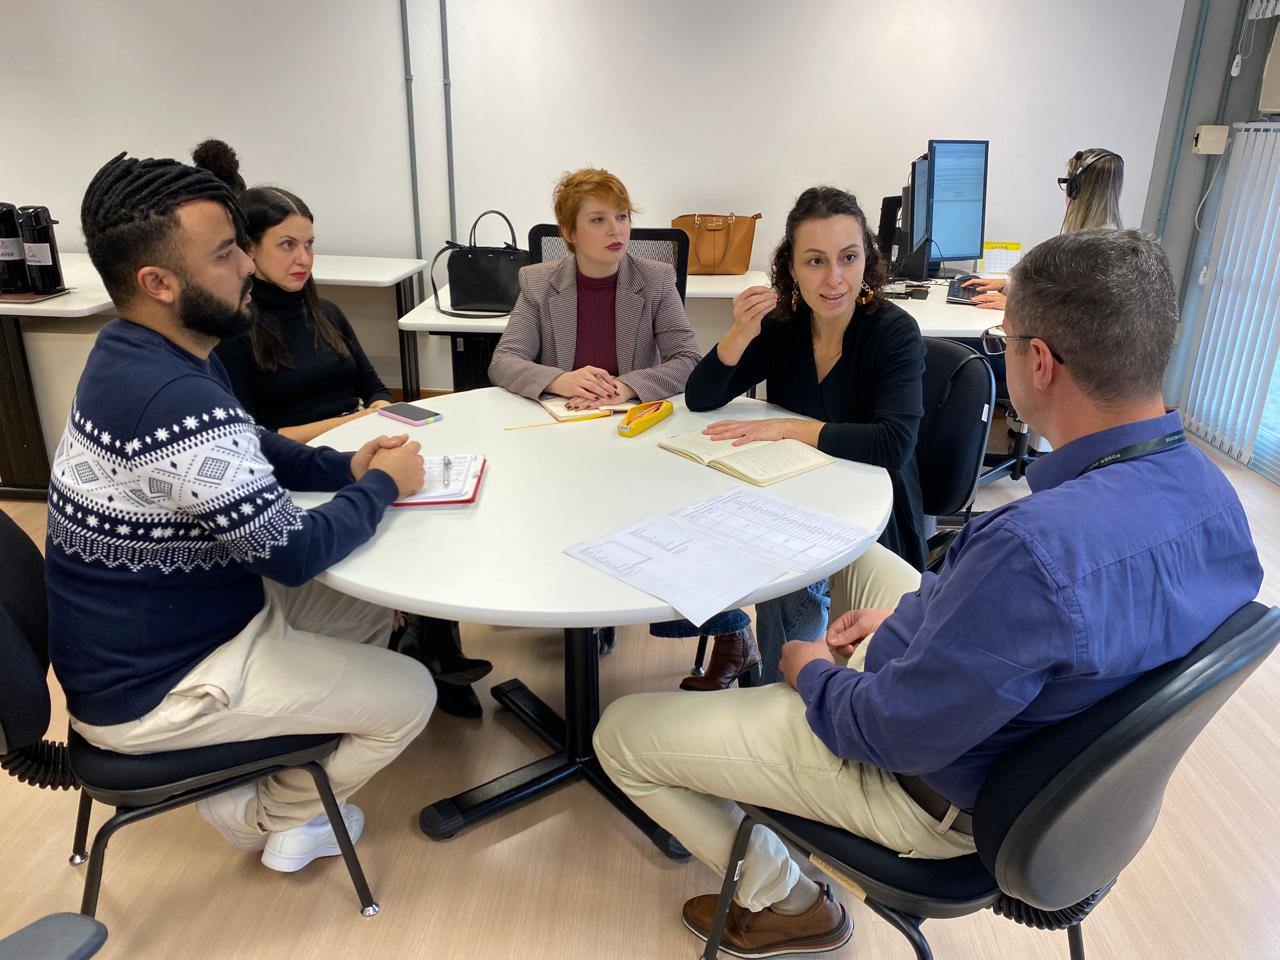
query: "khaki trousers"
312, 661
684, 758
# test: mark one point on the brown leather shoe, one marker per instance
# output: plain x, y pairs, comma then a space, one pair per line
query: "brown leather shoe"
823, 927
733, 655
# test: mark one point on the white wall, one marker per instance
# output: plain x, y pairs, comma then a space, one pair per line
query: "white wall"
712, 105
738, 105
310, 95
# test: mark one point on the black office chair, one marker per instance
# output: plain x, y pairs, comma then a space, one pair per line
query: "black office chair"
1018, 455
1059, 816
137, 785
958, 399
664, 244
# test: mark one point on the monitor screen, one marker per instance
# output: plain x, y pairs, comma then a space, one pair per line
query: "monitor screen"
957, 199
919, 201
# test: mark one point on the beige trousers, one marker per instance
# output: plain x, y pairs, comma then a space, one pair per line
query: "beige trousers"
312, 661
684, 758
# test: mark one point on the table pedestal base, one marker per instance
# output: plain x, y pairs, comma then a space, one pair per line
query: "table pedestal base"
573, 757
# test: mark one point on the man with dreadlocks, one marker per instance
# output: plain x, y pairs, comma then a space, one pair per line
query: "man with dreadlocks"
180, 608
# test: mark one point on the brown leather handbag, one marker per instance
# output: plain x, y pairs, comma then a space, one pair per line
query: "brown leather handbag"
718, 244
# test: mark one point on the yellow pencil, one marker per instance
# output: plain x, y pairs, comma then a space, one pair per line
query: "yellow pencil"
561, 423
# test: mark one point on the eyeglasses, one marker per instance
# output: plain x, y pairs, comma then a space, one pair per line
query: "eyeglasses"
994, 341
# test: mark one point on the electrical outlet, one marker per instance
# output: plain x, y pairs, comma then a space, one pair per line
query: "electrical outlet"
1210, 139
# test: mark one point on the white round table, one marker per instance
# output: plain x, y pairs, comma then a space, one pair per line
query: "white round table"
501, 560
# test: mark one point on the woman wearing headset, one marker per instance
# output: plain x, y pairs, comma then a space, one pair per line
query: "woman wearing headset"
1092, 185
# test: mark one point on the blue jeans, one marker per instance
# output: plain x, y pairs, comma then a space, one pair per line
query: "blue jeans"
731, 621
801, 615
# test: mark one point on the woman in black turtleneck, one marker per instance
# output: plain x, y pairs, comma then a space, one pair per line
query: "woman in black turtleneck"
300, 369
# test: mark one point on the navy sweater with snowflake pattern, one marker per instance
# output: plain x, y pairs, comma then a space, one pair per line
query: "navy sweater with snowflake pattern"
167, 507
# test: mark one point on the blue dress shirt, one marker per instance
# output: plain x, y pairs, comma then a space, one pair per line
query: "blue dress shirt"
1043, 607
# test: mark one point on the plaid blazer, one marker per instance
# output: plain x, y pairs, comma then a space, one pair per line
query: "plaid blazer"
656, 347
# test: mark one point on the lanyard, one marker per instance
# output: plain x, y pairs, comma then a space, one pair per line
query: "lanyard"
1135, 450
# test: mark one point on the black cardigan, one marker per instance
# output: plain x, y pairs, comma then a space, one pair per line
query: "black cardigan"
318, 384
870, 401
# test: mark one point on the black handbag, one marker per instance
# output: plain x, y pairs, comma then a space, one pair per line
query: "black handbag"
482, 280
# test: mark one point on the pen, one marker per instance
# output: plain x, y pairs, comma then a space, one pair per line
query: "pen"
447, 465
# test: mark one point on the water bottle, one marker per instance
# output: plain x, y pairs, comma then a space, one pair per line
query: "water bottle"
13, 261
44, 269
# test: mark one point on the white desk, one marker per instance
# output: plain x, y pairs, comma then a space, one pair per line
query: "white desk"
24, 459
501, 561
331, 270
364, 271
473, 338
722, 287
937, 318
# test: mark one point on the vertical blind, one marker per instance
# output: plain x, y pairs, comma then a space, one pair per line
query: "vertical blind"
1237, 320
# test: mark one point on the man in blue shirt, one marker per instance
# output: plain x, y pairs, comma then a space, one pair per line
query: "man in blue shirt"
177, 567
1130, 550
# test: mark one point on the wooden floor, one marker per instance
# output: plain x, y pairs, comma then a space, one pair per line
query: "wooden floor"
567, 877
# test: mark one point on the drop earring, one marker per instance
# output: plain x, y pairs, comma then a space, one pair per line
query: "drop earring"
867, 294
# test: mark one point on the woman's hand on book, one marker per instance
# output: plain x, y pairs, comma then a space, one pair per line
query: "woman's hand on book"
586, 383
745, 431
624, 394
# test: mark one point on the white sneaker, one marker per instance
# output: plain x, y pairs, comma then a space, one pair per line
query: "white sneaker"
227, 812
293, 849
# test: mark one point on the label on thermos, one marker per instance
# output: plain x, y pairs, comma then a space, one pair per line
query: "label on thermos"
39, 255
10, 248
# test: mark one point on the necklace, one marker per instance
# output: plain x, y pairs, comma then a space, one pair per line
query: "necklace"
828, 355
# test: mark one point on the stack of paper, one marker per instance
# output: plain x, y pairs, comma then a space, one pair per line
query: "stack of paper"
707, 557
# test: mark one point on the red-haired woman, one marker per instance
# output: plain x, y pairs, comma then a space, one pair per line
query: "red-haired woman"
627, 337
595, 299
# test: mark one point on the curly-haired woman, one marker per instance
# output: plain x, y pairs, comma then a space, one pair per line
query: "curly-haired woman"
831, 349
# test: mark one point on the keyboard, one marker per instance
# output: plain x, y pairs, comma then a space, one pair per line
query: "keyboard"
959, 294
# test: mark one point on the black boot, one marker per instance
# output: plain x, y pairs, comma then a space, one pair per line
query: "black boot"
457, 701
439, 647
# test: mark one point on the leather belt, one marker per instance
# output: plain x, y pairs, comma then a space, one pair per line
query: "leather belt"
934, 804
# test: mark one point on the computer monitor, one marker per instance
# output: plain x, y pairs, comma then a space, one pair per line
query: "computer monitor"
919, 202
944, 208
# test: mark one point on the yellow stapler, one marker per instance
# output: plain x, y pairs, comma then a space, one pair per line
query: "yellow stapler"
643, 416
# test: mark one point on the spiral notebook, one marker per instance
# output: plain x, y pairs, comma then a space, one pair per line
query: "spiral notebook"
466, 470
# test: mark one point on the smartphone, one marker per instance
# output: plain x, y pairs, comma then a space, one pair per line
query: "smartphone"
410, 413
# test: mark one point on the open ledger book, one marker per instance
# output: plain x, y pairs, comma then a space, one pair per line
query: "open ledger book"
761, 462
558, 408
